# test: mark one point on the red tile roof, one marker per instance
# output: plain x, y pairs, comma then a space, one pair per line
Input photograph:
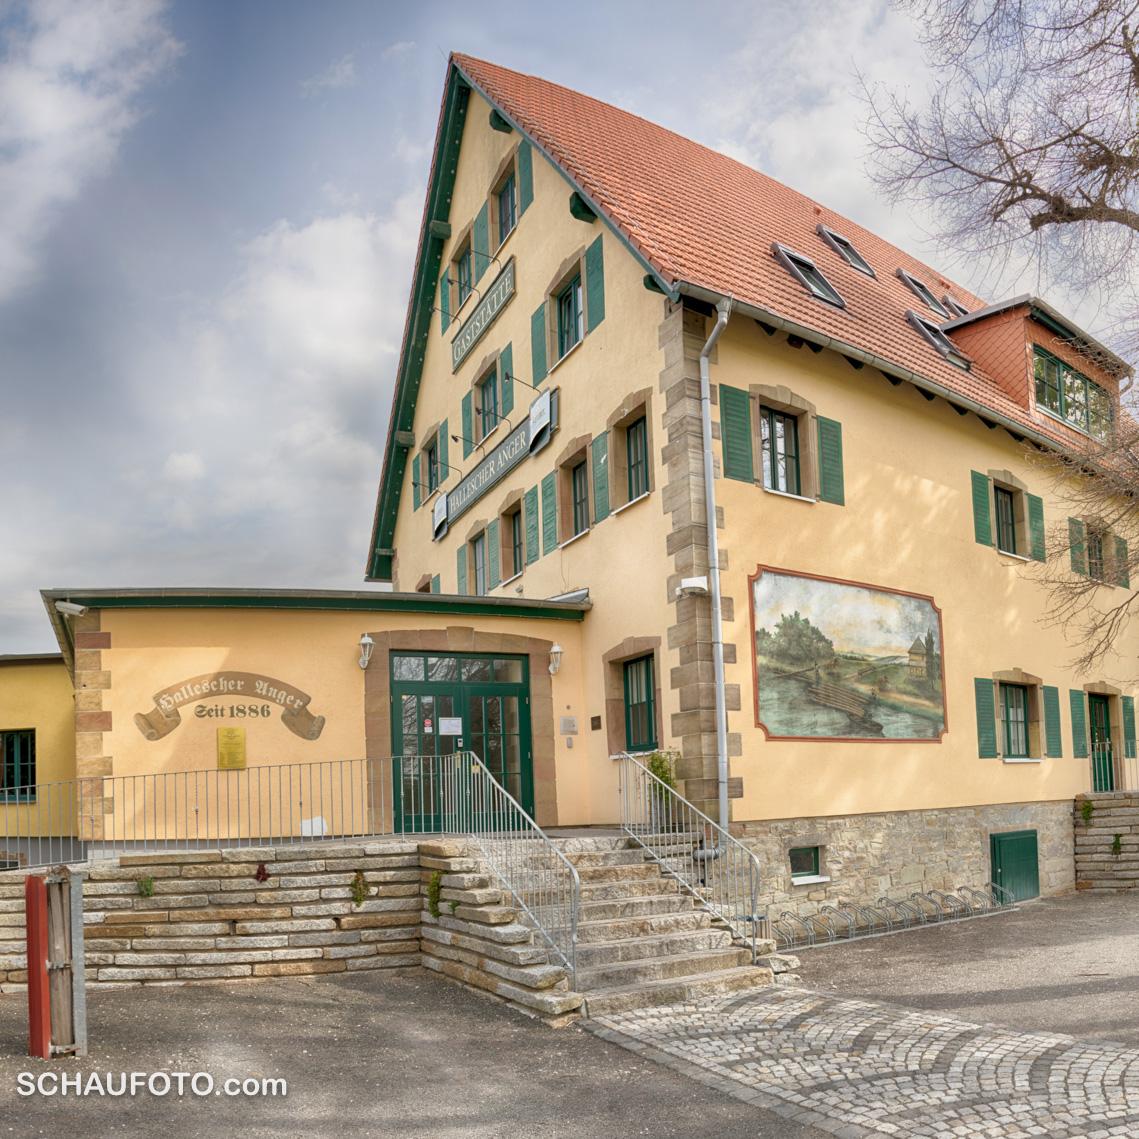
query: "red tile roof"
704, 219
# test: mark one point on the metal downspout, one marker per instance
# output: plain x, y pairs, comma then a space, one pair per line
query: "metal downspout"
723, 311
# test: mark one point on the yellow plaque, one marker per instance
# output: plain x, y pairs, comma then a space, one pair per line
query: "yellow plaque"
231, 749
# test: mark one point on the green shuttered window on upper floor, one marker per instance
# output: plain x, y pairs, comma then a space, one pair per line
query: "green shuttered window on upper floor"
599, 453
538, 367
1127, 705
832, 487
506, 378
480, 241
416, 493
984, 698
444, 302
594, 285
525, 176
468, 424
461, 569
736, 434
549, 513
530, 510
494, 554
982, 514
1007, 518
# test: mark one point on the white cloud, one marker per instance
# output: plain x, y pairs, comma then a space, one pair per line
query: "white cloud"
399, 47
184, 467
70, 80
341, 73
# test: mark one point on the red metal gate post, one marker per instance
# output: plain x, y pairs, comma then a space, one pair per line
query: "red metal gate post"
39, 1006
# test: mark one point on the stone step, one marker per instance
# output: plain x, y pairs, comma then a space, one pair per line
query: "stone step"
595, 954
574, 844
637, 888
646, 925
636, 905
620, 873
643, 969
607, 858
624, 998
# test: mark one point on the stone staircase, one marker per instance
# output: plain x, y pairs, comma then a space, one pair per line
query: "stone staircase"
643, 942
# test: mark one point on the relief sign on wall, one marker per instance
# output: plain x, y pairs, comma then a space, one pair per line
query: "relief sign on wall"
237, 694
845, 661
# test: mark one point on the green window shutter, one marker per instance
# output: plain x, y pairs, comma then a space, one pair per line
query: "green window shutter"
444, 458
493, 550
1128, 704
436, 585
594, 286
525, 176
480, 241
530, 509
1076, 547
1053, 744
1079, 724
1122, 571
832, 486
505, 377
468, 424
986, 717
444, 303
549, 513
461, 568
538, 345
1036, 526
600, 452
416, 497
982, 514
735, 434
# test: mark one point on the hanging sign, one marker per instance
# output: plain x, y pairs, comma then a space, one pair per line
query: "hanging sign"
472, 330
500, 462
439, 515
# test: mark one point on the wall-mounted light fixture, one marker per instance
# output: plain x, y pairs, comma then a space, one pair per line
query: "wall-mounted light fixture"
366, 646
555, 659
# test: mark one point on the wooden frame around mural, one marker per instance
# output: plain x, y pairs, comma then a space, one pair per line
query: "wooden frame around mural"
760, 570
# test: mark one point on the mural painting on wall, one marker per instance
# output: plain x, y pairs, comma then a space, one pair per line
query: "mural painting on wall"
842, 660
236, 695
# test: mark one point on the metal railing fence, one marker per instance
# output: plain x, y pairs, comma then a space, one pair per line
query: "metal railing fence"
103, 817
718, 870
1113, 770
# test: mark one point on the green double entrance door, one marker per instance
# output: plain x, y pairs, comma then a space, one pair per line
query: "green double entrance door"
448, 703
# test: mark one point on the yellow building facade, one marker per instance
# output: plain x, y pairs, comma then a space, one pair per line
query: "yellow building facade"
895, 711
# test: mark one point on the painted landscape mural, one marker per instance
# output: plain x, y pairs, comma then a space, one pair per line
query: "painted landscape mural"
838, 660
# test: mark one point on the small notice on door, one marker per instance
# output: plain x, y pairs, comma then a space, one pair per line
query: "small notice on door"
231, 749
450, 725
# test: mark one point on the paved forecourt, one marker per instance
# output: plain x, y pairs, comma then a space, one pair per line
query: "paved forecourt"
859, 1068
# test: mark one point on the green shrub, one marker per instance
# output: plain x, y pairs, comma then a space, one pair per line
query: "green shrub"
146, 887
434, 889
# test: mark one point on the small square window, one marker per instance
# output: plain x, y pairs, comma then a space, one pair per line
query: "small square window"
570, 317
922, 290
805, 270
805, 862
844, 246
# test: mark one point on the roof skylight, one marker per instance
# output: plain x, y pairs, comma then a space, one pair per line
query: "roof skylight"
955, 306
808, 275
922, 291
939, 340
844, 246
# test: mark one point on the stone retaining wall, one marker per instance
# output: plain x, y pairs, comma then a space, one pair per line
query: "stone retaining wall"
1104, 862
270, 912
896, 853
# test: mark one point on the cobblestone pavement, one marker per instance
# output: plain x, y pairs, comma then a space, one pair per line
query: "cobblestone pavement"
860, 1068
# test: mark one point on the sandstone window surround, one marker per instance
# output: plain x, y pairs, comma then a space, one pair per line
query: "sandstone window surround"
504, 200
1006, 516
1008, 684
783, 401
613, 668
635, 408
511, 537
561, 341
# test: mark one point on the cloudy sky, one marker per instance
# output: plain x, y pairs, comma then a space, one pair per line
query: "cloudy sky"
207, 218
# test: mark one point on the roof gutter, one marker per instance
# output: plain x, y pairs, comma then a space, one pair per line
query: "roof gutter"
887, 367
723, 311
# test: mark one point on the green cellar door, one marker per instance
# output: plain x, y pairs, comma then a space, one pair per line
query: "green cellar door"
1015, 863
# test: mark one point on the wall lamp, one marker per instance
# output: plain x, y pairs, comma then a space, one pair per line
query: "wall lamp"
555, 659
366, 647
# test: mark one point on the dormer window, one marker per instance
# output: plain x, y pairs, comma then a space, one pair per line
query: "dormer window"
956, 308
922, 291
939, 340
844, 246
1071, 395
808, 275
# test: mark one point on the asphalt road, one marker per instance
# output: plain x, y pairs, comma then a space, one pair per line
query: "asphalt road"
408, 1056
1068, 964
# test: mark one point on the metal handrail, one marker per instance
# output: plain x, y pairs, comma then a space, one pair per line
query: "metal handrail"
544, 884
716, 869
